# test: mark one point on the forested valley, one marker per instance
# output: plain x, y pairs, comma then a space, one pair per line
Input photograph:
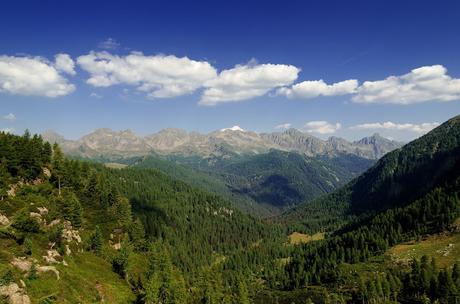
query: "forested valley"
77, 231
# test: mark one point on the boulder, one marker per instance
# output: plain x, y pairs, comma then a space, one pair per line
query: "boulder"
67, 250
9, 290
52, 256
47, 172
70, 234
4, 220
22, 263
19, 298
14, 294
42, 210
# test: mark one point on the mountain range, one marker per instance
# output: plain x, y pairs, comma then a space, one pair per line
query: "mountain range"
77, 231
111, 144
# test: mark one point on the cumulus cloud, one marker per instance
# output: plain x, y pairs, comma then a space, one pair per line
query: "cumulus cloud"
159, 76
416, 128
247, 81
64, 63
109, 44
322, 127
10, 117
427, 83
315, 88
32, 76
283, 126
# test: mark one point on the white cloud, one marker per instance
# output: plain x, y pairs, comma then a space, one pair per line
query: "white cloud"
64, 63
160, 76
417, 128
10, 117
428, 83
95, 95
7, 130
247, 81
283, 126
322, 127
109, 44
315, 88
32, 76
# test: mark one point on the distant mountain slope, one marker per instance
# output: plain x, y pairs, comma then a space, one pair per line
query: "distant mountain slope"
263, 183
398, 178
203, 180
372, 147
105, 143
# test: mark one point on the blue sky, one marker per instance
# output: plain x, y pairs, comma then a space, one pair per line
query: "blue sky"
202, 66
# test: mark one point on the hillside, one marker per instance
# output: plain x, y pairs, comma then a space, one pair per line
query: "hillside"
73, 231
78, 232
411, 196
398, 178
202, 179
263, 184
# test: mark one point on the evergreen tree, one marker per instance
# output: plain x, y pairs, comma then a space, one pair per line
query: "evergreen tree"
58, 166
47, 153
33, 274
456, 275
96, 241
5, 178
136, 233
70, 208
121, 260
165, 285
121, 211
243, 292
28, 246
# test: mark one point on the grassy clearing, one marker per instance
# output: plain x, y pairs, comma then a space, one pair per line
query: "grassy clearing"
445, 248
296, 238
115, 165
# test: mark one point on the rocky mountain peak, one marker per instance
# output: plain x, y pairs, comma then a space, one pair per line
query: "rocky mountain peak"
126, 143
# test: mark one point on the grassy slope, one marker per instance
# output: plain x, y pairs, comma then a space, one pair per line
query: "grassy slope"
445, 247
86, 279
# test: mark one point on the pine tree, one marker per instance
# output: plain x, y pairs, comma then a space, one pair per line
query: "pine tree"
165, 285
4, 178
243, 292
58, 165
121, 211
456, 275
47, 153
70, 208
33, 272
96, 241
28, 246
136, 233
121, 261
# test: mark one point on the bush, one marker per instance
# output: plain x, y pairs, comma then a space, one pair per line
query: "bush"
6, 278
33, 274
25, 223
